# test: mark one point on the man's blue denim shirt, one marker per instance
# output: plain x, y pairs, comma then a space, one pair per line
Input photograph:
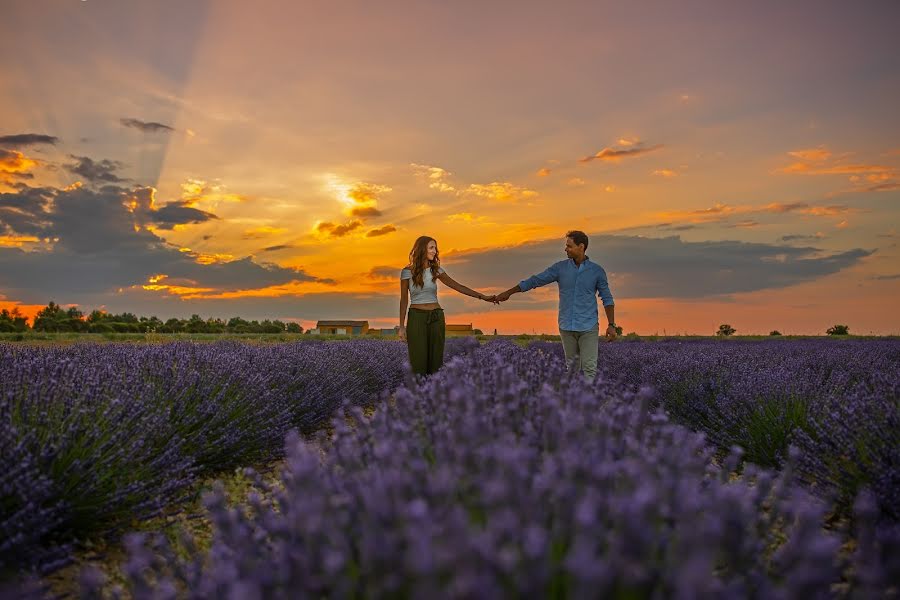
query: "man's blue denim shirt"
579, 286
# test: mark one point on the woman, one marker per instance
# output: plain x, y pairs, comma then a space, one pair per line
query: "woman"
418, 286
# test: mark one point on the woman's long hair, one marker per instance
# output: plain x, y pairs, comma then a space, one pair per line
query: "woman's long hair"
418, 260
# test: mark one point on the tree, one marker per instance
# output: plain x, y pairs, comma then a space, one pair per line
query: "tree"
51, 318
195, 324
13, 321
725, 330
294, 328
619, 330
97, 316
172, 325
838, 330
774, 332
268, 326
75, 320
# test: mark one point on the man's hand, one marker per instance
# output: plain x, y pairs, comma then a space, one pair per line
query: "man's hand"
502, 297
610, 333
489, 298
402, 333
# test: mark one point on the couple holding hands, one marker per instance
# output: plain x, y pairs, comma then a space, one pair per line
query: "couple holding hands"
580, 281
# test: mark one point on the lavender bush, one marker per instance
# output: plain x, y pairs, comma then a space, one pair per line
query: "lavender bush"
93, 435
839, 402
503, 476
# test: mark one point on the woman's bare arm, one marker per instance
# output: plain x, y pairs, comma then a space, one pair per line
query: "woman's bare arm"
404, 301
449, 282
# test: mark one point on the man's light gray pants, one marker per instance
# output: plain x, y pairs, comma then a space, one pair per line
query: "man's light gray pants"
581, 349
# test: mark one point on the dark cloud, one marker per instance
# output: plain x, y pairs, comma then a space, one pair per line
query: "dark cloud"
365, 211
101, 248
96, 172
614, 155
641, 267
745, 223
783, 208
179, 213
145, 126
381, 231
21, 140
383, 272
26, 212
884, 187
801, 238
887, 277
674, 227
340, 230
276, 248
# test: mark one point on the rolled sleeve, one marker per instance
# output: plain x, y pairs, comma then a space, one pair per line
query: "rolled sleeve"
603, 289
548, 276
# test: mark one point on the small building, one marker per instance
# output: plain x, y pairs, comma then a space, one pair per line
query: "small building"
392, 331
342, 327
460, 329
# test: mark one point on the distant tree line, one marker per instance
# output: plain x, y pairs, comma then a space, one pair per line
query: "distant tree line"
726, 330
53, 318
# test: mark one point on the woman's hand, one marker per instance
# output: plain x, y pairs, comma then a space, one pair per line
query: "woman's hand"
402, 333
487, 298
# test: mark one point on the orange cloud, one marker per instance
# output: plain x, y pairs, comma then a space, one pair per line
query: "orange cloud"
294, 288
544, 172
15, 166
17, 241
366, 194
467, 217
808, 169
196, 191
360, 199
501, 191
715, 212
811, 154
665, 173
207, 259
155, 283
435, 176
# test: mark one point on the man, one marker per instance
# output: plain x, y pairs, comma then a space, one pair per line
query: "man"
579, 279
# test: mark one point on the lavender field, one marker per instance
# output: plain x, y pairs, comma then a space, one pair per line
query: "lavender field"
686, 470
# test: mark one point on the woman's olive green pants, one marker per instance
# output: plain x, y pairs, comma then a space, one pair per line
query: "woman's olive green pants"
425, 333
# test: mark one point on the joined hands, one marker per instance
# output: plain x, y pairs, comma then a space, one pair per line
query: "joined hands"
496, 298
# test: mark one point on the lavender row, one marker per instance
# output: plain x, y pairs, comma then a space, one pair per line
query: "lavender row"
838, 402
95, 435
504, 477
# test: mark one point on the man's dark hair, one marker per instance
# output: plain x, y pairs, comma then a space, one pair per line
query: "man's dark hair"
579, 237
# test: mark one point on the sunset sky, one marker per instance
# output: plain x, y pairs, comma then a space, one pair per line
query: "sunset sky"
732, 162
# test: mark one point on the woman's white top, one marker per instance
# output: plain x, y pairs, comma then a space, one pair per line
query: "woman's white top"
427, 294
